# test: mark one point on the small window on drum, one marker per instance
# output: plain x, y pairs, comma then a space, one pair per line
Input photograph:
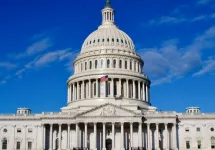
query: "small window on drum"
107, 39
94, 41
117, 40
112, 39
90, 42
85, 65
212, 129
121, 41
120, 63
114, 63
126, 64
96, 64
125, 42
187, 130
198, 129
5, 130
103, 40
98, 40
90, 64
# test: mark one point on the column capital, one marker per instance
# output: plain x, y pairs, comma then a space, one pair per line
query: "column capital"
103, 123
157, 124
113, 123
122, 123
51, 124
131, 123
86, 123
94, 123
60, 124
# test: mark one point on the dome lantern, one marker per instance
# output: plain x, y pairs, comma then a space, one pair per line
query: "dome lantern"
108, 14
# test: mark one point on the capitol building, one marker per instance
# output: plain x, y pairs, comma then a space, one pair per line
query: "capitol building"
108, 106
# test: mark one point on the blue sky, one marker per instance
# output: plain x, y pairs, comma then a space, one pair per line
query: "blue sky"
39, 39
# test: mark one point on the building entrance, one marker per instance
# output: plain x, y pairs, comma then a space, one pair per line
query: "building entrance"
108, 144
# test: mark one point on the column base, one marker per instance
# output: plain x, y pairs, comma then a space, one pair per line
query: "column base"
149, 149
122, 148
103, 148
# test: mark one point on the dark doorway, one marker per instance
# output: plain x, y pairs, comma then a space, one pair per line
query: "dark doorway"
108, 144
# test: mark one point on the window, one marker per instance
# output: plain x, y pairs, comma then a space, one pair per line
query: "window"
90, 64
120, 63
187, 144
117, 40
18, 145
94, 41
212, 129
130, 65
112, 39
121, 41
98, 40
103, 40
126, 64
187, 130
108, 40
4, 144
212, 142
85, 65
198, 129
96, 64
29, 145
30, 130
114, 63
199, 144
108, 63
19, 130
5, 130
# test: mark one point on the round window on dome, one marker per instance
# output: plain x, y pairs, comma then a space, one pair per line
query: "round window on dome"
5, 130
212, 129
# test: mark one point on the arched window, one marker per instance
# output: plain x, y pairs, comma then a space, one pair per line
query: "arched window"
117, 40
94, 41
130, 65
103, 40
126, 64
114, 63
94, 89
120, 63
102, 63
96, 64
112, 39
212, 142
107, 39
90, 64
85, 65
4, 144
108, 63
98, 40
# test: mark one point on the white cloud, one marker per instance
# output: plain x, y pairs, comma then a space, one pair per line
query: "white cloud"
36, 47
208, 67
167, 20
7, 65
169, 61
203, 2
200, 18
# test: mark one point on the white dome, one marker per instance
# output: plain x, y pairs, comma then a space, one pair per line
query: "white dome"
108, 36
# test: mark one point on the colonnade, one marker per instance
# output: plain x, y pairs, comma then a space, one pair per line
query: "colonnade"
152, 140
114, 87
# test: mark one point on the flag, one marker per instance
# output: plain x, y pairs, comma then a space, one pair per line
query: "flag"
104, 78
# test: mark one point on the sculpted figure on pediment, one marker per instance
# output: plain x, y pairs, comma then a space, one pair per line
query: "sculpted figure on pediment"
108, 111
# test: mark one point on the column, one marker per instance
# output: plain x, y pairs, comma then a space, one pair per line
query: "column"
14, 137
90, 92
120, 87
174, 137
50, 136
113, 135
104, 137
157, 137
140, 135
68, 137
134, 90
148, 137
25, 126
84, 91
127, 82
77, 135
85, 136
112, 87
68, 93
144, 92
139, 96
97, 88
122, 136
73, 90
166, 137
43, 136
131, 135
59, 138
105, 88
78, 94
95, 136
147, 93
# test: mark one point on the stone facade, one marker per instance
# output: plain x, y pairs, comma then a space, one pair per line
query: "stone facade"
109, 106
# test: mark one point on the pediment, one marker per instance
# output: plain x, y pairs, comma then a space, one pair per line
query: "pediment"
108, 110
